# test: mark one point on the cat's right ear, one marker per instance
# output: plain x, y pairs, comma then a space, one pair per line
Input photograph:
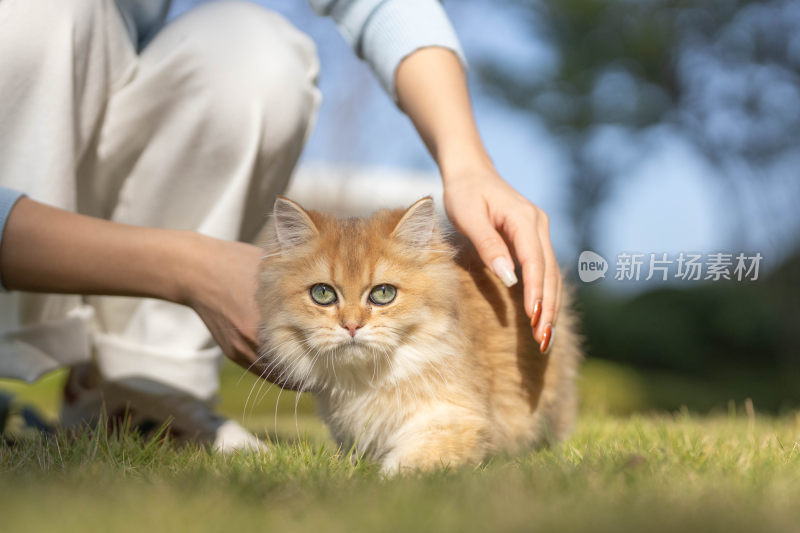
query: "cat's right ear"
292, 224
418, 224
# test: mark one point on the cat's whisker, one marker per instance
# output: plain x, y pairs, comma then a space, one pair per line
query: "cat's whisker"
300, 392
377, 351
247, 401
374, 366
266, 353
379, 362
262, 376
389, 363
259, 397
280, 392
333, 366
288, 371
290, 357
296, 403
277, 403
292, 370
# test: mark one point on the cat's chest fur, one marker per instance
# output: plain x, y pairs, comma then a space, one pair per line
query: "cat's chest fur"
376, 416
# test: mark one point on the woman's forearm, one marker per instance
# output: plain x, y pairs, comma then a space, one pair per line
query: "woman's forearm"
45, 249
432, 90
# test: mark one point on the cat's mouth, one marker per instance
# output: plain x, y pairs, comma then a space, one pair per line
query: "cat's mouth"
359, 338
354, 342
354, 349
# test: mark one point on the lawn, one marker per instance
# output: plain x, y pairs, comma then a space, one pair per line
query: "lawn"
731, 470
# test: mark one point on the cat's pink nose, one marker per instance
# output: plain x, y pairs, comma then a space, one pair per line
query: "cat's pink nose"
351, 327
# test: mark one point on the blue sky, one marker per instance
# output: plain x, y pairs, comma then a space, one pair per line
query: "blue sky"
668, 204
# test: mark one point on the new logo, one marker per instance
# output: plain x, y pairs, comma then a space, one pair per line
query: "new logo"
591, 266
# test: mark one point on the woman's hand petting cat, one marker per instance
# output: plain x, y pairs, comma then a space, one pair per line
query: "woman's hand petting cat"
500, 222
219, 283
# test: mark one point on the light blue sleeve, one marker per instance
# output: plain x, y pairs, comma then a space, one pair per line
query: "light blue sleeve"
8, 197
384, 32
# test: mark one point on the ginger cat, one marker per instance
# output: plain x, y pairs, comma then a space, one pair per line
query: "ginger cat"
416, 353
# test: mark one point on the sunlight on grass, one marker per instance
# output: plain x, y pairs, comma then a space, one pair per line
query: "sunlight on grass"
735, 470
722, 473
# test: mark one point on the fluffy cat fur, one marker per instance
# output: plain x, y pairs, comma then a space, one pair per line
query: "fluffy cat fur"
447, 373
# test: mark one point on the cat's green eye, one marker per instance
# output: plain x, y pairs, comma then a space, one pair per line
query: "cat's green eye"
382, 294
323, 294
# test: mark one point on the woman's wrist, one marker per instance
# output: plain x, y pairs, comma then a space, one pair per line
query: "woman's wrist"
458, 164
203, 270
186, 276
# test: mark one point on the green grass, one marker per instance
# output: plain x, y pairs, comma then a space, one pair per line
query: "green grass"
736, 470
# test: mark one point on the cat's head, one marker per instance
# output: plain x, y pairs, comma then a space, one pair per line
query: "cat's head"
349, 302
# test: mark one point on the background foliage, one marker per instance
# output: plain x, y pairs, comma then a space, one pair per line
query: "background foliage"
722, 75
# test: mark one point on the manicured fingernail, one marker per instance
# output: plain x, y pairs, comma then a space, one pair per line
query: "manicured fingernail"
547, 339
537, 311
504, 271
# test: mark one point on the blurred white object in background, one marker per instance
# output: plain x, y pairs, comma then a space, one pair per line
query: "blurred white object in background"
353, 190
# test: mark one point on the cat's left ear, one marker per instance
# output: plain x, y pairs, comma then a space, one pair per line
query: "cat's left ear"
418, 223
292, 224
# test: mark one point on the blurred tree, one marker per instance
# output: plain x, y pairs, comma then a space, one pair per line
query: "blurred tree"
723, 74
724, 77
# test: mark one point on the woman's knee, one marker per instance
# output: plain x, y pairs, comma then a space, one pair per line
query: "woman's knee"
244, 58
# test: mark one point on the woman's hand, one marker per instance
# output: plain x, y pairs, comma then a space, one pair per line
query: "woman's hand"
495, 217
219, 281
432, 90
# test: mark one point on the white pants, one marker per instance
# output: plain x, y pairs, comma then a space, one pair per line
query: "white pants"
200, 131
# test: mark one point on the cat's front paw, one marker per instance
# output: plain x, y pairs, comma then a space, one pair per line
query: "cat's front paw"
421, 459
390, 469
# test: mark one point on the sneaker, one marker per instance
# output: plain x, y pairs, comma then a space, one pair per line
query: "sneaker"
147, 406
